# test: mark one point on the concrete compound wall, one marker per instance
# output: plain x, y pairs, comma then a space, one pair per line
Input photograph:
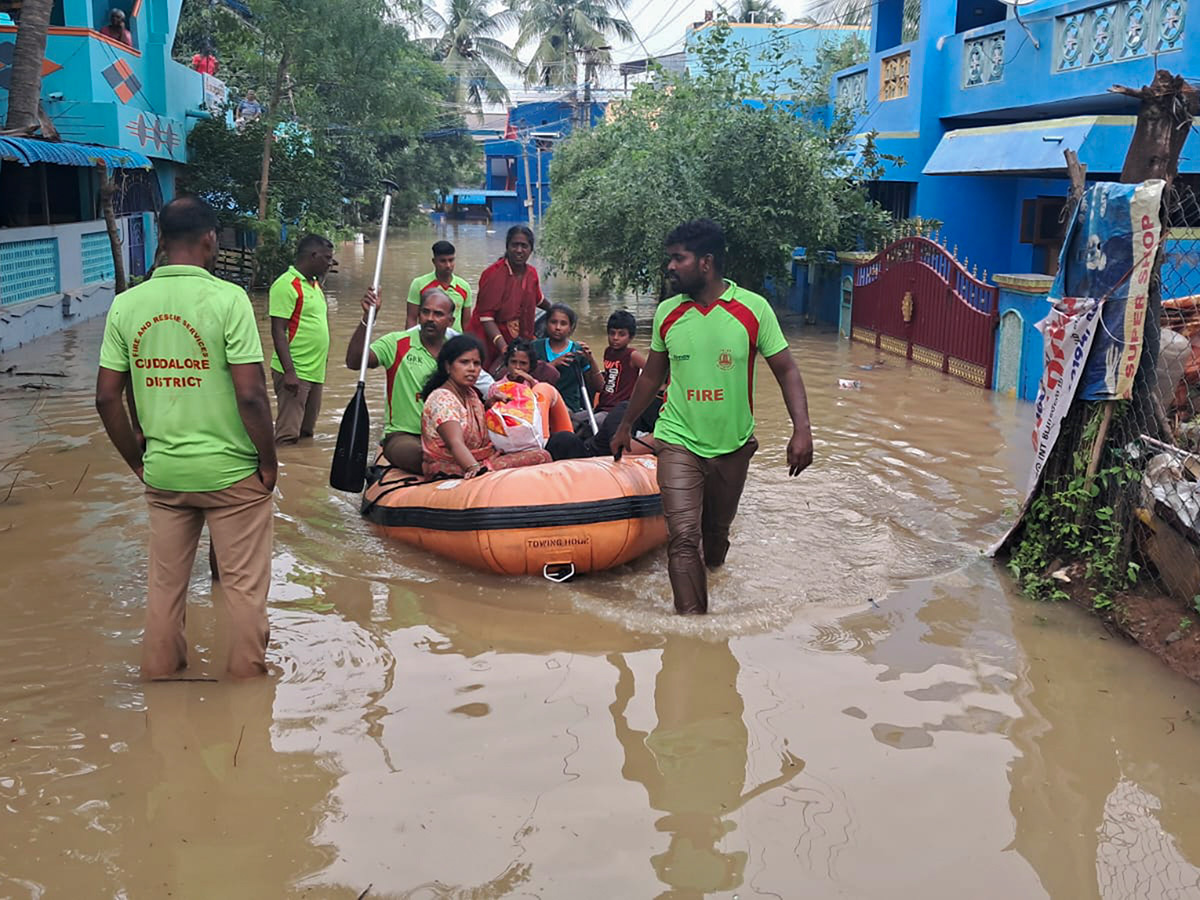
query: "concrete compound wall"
82, 288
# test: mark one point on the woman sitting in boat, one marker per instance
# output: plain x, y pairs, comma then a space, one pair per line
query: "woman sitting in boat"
454, 439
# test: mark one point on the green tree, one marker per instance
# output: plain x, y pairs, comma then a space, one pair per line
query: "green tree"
719, 145
468, 45
832, 56
754, 11
559, 29
353, 99
839, 12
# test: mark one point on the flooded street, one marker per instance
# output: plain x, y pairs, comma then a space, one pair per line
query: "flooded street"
869, 712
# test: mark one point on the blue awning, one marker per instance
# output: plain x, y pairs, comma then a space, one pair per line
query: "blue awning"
64, 153
1030, 148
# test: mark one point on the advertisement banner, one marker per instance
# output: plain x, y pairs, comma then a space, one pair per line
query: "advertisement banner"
1108, 256
1068, 334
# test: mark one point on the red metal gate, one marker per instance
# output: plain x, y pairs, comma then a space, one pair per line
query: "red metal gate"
917, 301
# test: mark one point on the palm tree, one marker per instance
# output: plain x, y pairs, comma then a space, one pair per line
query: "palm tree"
559, 29
25, 85
839, 12
468, 46
756, 11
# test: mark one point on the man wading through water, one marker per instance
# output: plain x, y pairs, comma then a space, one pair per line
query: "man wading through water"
190, 345
707, 338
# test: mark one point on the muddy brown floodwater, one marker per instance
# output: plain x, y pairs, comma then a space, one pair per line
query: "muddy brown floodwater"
870, 712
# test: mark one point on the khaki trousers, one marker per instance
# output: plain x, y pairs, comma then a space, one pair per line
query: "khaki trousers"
298, 412
240, 520
700, 499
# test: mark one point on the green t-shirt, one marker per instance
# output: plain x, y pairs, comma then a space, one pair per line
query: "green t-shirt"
302, 303
177, 334
710, 400
459, 292
408, 365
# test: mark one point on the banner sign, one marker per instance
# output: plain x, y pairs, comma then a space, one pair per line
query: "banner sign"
1108, 256
1068, 334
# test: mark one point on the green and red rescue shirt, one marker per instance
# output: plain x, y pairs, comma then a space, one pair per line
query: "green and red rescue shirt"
302, 302
459, 293
408, 366
177, 334
712, 351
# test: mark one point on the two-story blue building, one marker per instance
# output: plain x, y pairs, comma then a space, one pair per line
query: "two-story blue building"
980, 98
129, 106
517, 165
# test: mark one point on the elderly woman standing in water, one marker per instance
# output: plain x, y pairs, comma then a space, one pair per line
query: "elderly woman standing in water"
454, 438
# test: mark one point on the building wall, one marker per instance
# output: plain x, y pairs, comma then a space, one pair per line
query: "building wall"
54, 276
801, 43
1061, 67
99, 91
552, 121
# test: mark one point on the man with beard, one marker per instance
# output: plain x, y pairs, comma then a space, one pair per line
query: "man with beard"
707, 338
409, 357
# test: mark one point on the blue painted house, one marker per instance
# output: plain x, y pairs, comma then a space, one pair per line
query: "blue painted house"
517, 166
980, 98
128, 106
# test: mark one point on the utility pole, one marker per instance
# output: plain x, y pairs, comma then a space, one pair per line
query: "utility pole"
528, 184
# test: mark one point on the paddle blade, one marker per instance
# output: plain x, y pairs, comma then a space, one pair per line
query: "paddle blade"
349, 470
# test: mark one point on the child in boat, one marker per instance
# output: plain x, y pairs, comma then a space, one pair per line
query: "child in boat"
519, 364
622, 364
454, 438
577, 369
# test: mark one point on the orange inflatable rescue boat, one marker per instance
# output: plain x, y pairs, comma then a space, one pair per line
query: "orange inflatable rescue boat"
556, 519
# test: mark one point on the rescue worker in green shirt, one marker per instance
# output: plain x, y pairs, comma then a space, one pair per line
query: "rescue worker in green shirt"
408, 357
188, 345
300, 333
442, 277
707, 338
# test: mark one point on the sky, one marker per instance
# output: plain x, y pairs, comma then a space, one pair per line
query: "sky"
660, 27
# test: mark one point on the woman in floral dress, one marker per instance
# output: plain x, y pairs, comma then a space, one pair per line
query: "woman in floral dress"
454, 439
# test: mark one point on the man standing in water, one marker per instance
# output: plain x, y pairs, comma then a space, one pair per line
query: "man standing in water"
190, 344
300, 333
707, 338
442, 277
509, 295
409, 358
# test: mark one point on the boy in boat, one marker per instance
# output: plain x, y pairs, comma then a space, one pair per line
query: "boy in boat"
622, 364
442, 277
707, 338
408, 357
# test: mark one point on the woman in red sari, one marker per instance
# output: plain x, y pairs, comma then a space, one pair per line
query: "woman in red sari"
509, 295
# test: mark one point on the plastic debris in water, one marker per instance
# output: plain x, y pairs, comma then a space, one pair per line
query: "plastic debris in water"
848, 384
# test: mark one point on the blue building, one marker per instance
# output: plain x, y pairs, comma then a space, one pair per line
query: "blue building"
980, 98
130, 107
517, 166
799, 42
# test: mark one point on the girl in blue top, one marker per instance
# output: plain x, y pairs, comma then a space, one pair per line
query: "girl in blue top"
577, 369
